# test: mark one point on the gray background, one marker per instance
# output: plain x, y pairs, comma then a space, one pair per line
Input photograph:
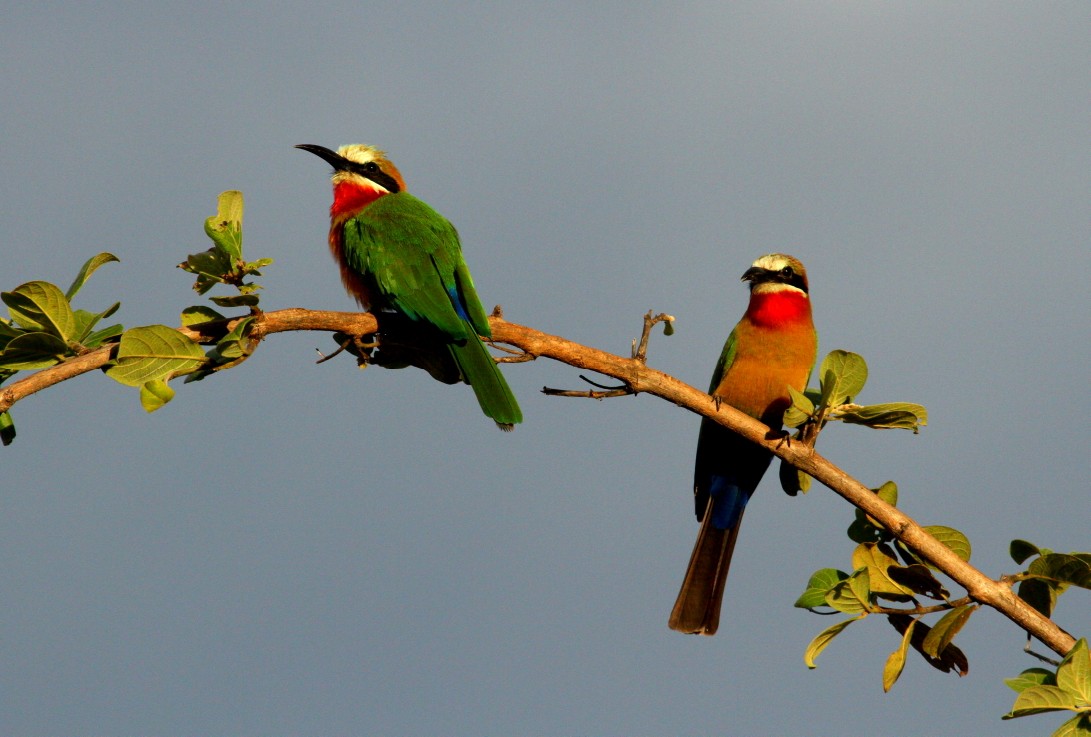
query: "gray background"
300, 549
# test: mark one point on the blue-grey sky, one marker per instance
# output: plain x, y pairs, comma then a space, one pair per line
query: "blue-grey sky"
300, 549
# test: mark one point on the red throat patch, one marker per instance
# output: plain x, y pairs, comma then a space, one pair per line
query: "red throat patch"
349, 198
779, 308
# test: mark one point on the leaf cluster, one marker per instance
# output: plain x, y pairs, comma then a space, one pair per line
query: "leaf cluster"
1069, 689
223, 262
889, 579
842, 376
44, 329
1049, 574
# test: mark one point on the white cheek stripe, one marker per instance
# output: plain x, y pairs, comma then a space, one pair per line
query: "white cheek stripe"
773, 287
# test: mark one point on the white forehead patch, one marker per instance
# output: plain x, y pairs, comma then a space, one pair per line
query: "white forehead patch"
772, 262
361, 153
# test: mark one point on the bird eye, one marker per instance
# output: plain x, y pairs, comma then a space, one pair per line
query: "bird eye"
371, 166
787, 272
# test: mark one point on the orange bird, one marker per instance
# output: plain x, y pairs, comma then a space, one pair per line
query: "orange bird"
773, 347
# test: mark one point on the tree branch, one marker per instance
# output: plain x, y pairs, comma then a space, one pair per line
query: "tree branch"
641, 379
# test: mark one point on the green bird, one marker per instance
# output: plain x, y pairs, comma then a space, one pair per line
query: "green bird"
773, 347
399, 255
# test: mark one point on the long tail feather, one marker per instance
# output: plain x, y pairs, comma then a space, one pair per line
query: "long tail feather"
697, 609
482, 374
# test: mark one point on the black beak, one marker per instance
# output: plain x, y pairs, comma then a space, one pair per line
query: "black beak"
755, 274
338, 162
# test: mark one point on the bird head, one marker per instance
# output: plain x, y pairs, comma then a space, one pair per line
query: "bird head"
776, 272
360, 165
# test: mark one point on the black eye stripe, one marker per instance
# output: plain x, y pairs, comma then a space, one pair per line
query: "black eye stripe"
374, 172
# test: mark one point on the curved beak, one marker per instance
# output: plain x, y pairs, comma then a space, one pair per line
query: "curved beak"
753, 274
334, 159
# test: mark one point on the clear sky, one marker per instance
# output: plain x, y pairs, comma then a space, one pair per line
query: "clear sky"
293, 548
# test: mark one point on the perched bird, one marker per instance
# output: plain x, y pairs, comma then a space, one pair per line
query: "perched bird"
773, 347
399, 255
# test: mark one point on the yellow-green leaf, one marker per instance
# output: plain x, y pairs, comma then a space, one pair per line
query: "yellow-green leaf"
820, 583
895, 663
1029, 678
89, 268
7, 428
1074, 673
800, 410
946, 628
891, 415
1077, 726
41, 306
952, 538
33, 350
824, 638
225, 228
876, 560
843, 375
198, 314
1040, 699
153, 352
155, 394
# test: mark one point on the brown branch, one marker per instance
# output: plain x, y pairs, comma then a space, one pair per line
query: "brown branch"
636, 375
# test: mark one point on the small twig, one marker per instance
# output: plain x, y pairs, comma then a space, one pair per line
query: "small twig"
640, 352
340, 348
1043, 658
589, 394
606, 393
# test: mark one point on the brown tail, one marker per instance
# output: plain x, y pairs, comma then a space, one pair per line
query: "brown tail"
697, 610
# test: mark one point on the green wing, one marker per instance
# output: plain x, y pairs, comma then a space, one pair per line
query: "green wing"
413, 255
727, 357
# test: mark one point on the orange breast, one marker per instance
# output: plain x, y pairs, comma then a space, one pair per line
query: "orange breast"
767, 362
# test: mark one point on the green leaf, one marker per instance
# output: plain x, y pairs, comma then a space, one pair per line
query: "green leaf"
86, 321
824, 638
895, 662
952, 538
876, 560
238, 300
41, 306
792, 480
1061, 567
851, 595
1031, 677
668, 325
892, 415
1074, 673
33, 350
818, 586
1040, 699
1077, 726
99, 337
153, 352
862, 531
843, 376
945, 629
7, 428
88, 268
235, 344
210, 267
1039, 594
888, 492
918, 578
1020, 550
225, 228
800, 410
198, 314
155, 394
